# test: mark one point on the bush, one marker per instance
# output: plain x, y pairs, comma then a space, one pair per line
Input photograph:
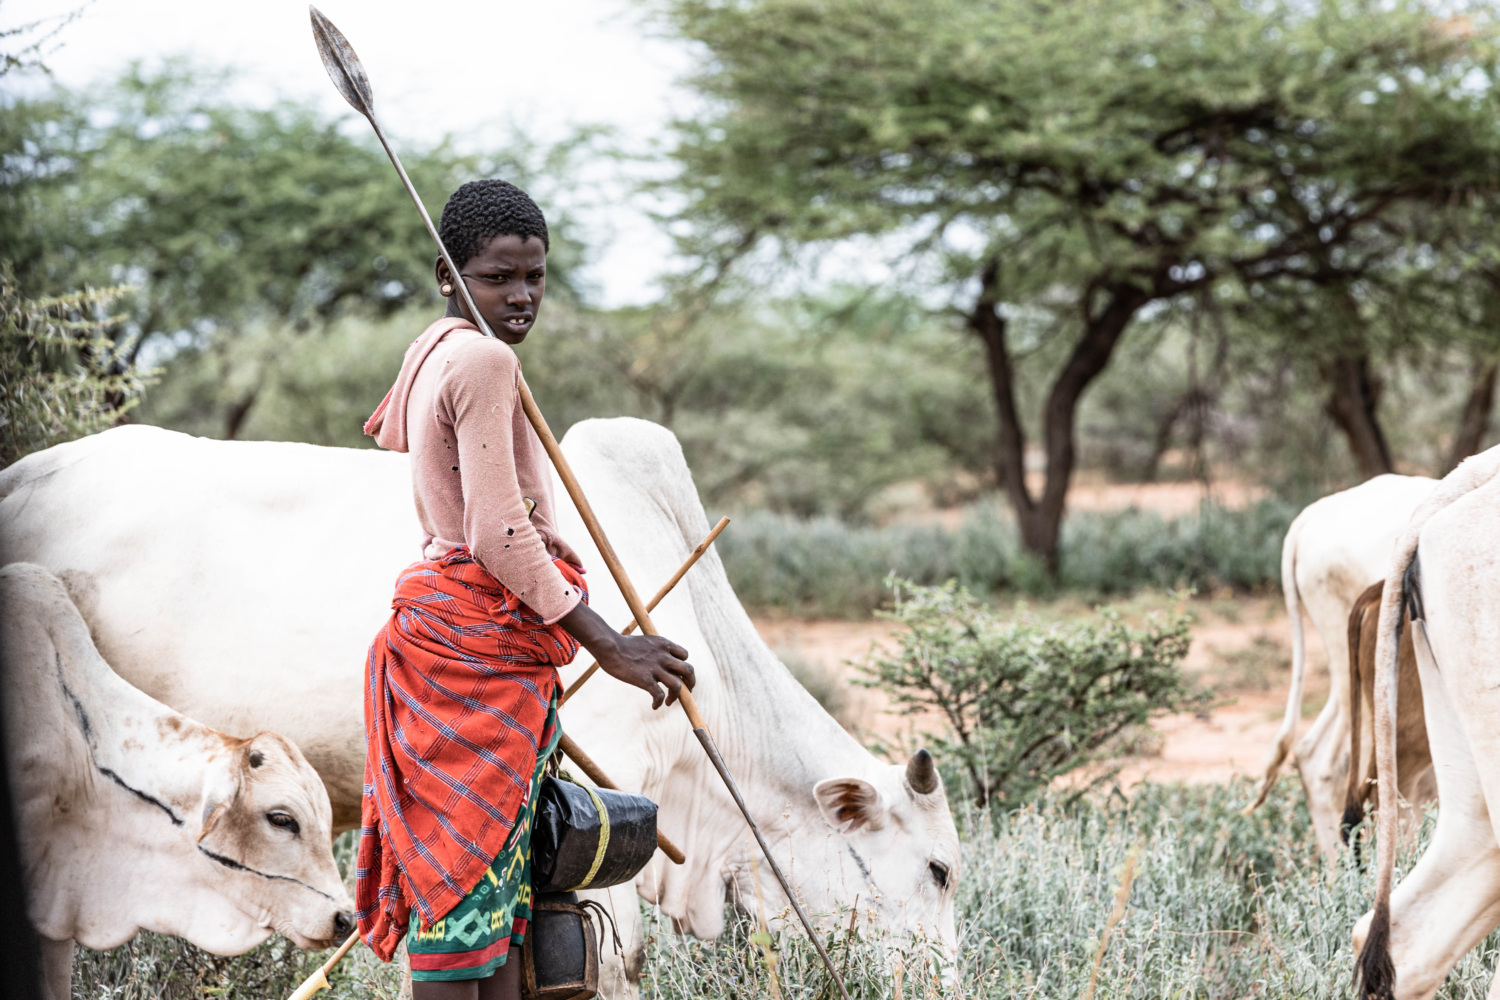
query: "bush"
1026, 703
59, 369
825, 567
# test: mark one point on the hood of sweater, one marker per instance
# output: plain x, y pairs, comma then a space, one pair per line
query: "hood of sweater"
387, 425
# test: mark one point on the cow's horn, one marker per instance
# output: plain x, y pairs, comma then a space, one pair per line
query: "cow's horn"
921, 775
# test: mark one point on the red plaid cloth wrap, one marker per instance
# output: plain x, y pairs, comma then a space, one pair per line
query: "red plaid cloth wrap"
458, 684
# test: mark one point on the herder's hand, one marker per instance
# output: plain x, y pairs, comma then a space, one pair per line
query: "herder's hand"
650, 662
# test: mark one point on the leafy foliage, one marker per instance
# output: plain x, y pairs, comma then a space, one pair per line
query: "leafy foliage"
824, 567
1024, 703
229, 219
1053, 170
59, 373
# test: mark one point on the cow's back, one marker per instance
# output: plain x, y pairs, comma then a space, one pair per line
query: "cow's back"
260, 558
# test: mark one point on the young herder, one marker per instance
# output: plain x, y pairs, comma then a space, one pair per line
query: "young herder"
462, 687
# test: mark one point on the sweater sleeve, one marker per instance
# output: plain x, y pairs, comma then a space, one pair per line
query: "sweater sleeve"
480, 390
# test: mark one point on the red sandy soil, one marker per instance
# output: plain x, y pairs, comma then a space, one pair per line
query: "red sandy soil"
1240, 646
1166, 499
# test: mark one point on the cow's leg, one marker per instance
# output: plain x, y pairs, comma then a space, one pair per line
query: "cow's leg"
1322, 759
1451, 899
57, 969
620, 972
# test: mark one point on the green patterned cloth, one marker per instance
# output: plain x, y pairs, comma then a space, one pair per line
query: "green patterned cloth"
474, 938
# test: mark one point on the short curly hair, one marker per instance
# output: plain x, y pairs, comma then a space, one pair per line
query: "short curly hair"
481, 210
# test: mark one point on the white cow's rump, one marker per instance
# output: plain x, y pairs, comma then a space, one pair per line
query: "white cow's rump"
1446, 568
131, 816
241, 583
1417, 783
1334, 549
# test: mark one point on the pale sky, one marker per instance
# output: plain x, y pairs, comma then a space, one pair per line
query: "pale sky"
432, 67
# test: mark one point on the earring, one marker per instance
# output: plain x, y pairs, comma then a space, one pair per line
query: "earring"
447, 289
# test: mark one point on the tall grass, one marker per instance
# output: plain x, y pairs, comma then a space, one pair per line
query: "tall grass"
827, 568
1221, 905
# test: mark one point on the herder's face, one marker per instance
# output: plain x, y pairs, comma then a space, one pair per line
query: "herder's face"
507, 278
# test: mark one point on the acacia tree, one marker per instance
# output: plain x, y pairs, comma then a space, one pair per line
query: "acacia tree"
225, 217
1078, 161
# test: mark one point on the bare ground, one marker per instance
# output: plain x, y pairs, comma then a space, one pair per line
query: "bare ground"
1241, 648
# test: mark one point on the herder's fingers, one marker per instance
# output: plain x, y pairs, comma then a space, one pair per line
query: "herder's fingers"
666, 589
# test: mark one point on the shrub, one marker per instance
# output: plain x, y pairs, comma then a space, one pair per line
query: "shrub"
61, 374
826, 567
1026, 703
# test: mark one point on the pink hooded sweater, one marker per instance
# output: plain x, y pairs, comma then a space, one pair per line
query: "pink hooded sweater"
475, 461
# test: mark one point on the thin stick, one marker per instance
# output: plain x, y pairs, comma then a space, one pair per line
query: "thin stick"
587, 766
764, 935
1122, 897
661, 594
348, 75
684, 696
319, 979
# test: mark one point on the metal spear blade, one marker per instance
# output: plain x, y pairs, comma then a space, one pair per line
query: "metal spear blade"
342, 63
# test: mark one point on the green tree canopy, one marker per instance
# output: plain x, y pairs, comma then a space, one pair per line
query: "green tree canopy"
223, 216
1055, 168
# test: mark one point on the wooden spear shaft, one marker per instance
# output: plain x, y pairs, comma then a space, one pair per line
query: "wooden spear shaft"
588, 767
684, 696
319, 979
348, 75
661, 594
601, 541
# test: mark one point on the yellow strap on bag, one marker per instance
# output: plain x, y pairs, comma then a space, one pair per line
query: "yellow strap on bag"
603, 838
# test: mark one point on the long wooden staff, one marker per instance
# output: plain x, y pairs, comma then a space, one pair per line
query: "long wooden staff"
319, 978
666, 589
349, 76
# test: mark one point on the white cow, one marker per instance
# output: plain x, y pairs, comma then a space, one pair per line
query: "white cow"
131, 816
1335, 549
1447, 566
242, 583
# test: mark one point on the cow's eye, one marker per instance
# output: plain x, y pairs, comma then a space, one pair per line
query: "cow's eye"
939, 873
283, 821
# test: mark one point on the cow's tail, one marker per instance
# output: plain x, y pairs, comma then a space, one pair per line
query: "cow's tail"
1358, 788
1288, 730
1376, 970
1377, 973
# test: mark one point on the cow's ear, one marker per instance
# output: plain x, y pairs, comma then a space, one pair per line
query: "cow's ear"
220, 787
850, 804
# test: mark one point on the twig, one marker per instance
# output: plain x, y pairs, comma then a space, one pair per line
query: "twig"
763, 937
1122, 896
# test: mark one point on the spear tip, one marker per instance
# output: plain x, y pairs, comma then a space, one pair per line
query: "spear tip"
342, 63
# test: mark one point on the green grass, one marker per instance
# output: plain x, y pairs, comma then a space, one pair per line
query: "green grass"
827, 568
1221, 906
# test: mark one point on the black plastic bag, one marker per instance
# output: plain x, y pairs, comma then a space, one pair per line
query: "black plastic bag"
576, 846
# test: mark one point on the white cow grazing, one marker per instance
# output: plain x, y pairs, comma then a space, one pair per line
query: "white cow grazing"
242, 582
1447, 564
1335, 549
131, 816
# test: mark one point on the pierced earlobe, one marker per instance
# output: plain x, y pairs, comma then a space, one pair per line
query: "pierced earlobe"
446, 289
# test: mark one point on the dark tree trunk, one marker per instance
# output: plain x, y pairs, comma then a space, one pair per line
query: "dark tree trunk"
1474, 422
237, 414
1354, 396
1040, 518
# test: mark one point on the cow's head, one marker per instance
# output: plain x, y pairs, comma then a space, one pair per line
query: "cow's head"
884, 844
266, 830
896, 835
